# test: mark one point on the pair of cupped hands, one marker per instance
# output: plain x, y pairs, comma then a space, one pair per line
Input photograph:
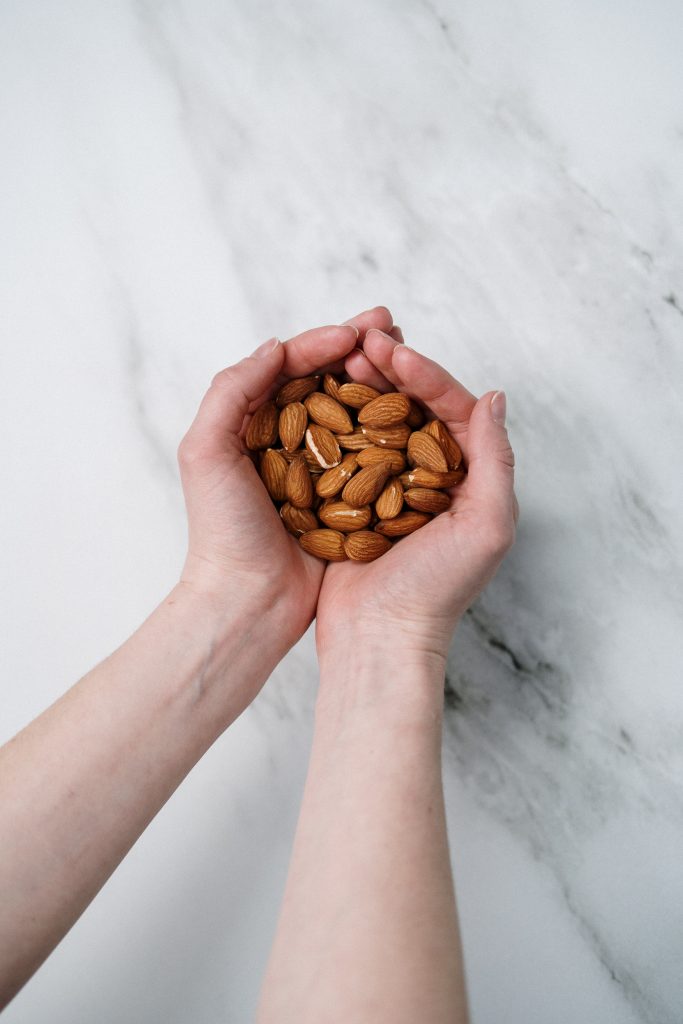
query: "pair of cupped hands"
241, 557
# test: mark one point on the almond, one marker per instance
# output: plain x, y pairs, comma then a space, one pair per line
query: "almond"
365, 486
331, 386
441, 434
406, 522
355, 441
298, 484
273, 470
357, 395
262, 429
296, 390
339, 515
332, 480
327, 544
426, 499
366, 545
385, 410
388, 437
390, 457
425, 451
297, 520
415, 417
292, 425
419, 477
323, 446
390, 501
327, 413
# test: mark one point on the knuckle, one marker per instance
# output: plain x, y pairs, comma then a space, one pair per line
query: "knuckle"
188, 452
506, 455
224, 378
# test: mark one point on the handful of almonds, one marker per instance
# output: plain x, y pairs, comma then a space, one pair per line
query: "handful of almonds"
355, 469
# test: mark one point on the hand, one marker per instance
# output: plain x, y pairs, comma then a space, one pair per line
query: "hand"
413, 596
239, 554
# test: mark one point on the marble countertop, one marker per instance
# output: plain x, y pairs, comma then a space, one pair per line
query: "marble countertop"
181, 180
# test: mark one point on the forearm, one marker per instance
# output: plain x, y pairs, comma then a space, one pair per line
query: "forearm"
368, 930
81, 782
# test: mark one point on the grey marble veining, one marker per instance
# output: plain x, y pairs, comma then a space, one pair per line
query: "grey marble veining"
183, 180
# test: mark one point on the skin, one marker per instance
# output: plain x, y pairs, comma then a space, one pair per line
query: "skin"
80, 783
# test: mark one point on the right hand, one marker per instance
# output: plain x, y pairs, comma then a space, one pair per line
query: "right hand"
412, 597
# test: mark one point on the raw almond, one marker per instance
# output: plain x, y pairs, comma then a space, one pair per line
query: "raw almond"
273, 470
296, 390
357, 395
425, 451
298, 484
327, 544
327, 413
298, 520
441, 434
292, 425
355, 441
339, 515
385, 410
332, 480
415, 417
426, 499
390, 501
390, 457
331, 386
388, 437
366, 545
323, 446
419, 477
365, 485
262, 429
406, 522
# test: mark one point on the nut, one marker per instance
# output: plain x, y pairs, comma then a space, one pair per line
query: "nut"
327, 413
292, 425
323, 447
296, 390
419, 477
388, 456
388, 437
262, 429
327, 544
390, 501
366, 545
406, 522
357, 395
273, 469
332, 480
385, 410
298, 520
451, 449
331, 386
426, 499
339, 515
365, 485
298, 484
425, 451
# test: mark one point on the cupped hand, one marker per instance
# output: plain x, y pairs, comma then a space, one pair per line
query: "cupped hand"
239, 554
414, 595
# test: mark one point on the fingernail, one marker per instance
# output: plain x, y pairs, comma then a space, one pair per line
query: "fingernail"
266, 347
498, 408
355, 329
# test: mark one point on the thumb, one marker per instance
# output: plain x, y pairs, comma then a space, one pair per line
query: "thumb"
226, 403
490, 466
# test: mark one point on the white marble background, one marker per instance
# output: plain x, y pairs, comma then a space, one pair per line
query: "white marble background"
180, 180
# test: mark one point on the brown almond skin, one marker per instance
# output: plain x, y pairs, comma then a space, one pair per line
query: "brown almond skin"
366, 546
415, 417
388, 437
331, 386
292, 425
441, 434
385, 410
298, 484
332, 480
390, 502
298, 520
296, 390
273, 471
262, 429
327, 413
327, 544
323, 446
354, 442
338, 515
427, 499
357, 395
406, 522
390, 457
419, 477
365, 485
425, 451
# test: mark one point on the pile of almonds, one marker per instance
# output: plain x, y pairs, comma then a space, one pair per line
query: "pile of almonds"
356, 469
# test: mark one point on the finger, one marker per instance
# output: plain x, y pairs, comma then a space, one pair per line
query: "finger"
431, 384
360, 369
317, 348
378, 347
378, 317
490, 473
226, 403
397, 334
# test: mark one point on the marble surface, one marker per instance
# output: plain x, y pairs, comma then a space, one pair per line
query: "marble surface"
181, 180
